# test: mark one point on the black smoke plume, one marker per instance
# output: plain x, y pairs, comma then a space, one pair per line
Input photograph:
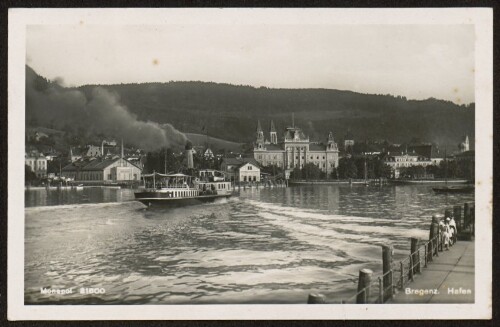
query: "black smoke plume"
69, 109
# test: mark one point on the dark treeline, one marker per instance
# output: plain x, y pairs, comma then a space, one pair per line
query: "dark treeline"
450, 169
230, 112
375, 168
347, 168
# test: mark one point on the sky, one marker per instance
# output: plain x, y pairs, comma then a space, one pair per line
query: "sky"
415, 61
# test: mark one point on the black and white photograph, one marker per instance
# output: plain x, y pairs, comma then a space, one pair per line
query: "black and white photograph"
215, 163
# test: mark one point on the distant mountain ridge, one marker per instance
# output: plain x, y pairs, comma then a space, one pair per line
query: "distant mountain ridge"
231, 112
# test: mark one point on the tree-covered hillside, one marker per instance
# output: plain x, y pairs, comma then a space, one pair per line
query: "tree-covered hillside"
230, 112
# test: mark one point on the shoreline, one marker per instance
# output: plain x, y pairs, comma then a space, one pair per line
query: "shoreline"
66, 188
377, 182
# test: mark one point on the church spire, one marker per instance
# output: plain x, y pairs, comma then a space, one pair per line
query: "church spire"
259, 128
259, 134
273, 134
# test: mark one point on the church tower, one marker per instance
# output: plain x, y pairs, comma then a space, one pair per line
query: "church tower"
259, 135
273, 134
464, 146
331, 145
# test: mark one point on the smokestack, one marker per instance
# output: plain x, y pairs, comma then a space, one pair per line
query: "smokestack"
189, 155
122, 149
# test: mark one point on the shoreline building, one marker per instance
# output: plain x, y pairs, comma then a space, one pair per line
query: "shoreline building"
37, 162
423, 155
241, 169
295, 150
103, 170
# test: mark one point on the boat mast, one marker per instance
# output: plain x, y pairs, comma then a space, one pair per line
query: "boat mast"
165, 163
445, 167
366, 173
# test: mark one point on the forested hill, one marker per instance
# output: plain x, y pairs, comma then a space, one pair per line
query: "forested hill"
230, 112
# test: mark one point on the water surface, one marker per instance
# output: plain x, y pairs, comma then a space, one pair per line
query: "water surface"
265, 246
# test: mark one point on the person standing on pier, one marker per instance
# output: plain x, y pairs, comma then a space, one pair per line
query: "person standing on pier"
446, 234
453, 229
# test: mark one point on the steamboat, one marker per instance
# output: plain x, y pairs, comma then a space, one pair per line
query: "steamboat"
180, 189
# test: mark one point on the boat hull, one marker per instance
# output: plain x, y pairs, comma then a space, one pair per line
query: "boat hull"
159, 199
443, 190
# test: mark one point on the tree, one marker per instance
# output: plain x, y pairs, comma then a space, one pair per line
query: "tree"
434, 170
467, 169
272, 170
296, 173
450, 169
29, 175
412, 172
311, 171
347, 168
334, 173
156, 160
381, 169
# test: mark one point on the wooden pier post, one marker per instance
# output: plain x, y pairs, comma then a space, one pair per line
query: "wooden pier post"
402, 275
387, 291
472, 218
434, 231
415, 255
364, 281
466, 215
457, 214
410, 268
316, 298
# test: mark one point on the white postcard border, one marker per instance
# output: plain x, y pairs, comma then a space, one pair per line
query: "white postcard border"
482, 18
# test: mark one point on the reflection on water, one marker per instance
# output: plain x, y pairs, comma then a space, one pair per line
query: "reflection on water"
265, 246
43, 197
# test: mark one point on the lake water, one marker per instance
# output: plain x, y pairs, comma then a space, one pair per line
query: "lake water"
264, 246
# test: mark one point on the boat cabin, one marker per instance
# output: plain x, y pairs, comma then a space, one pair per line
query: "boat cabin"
167, 181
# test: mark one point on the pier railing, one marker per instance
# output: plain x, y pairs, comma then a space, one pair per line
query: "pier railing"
395, 276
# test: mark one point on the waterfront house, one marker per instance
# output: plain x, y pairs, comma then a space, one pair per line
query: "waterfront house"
93, 151
209, 154
103, 170
73, 156
241, 169
399, 160
37, 162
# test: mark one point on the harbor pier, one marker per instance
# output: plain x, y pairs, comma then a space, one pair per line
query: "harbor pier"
431, 273
449, 279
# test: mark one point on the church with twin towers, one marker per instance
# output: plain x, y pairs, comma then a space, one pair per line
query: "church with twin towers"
293, 149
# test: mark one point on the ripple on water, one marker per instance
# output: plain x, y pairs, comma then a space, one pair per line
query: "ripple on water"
266, 246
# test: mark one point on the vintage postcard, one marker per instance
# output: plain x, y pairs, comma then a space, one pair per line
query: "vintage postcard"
250, 164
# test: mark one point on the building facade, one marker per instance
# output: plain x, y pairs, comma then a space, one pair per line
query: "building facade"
295, 150
241, 169
399, 160
37, 162
103, 170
